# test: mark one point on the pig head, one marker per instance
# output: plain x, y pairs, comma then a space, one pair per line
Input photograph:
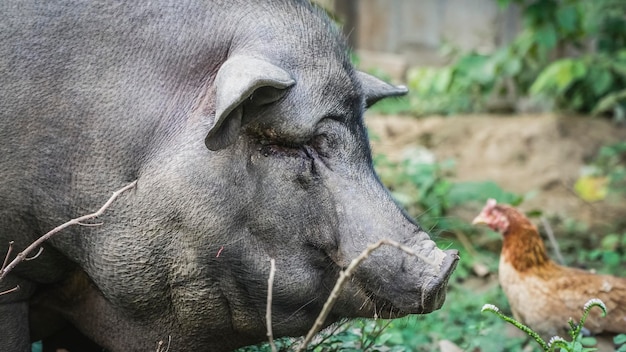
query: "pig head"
243, 124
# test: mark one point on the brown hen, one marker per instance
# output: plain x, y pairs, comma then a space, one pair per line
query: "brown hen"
542, 294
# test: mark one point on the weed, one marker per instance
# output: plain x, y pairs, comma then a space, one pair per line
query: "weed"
577, 344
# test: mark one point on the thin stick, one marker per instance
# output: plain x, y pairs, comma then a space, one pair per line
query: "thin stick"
161, 343
16, 288
553, 242
35, 256
343, 278
20, 257
91, 225
6, 258
268, 312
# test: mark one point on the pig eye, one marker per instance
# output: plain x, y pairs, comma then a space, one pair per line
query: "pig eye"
282, 150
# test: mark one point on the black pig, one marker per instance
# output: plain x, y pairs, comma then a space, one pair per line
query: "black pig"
243, 123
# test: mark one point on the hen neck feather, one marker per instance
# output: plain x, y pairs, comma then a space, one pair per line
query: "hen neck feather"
522, 247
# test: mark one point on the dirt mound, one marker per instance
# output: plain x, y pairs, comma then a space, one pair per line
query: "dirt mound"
539, 153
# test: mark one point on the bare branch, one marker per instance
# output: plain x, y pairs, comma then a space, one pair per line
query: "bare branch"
268, 312
6, 258
553, 242
35, 256
90, 225
343, 278
16, 288
22, 255
161, 343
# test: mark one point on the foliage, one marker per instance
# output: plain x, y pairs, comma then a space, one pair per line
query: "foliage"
460, 323
578, 343
605, 175
423, 186
620, 340
392, 106
611, 253
569, 54
590, 83
462, 87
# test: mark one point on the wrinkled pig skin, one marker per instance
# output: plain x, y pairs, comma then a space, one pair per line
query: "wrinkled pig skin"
243, 123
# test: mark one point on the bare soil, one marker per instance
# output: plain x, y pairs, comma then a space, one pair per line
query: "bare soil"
542, 154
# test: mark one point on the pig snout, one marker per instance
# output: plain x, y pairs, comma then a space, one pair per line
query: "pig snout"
421, 287
434, 292
414, 286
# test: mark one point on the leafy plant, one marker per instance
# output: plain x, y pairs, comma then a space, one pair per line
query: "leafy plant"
620, 340
591, 83
459, 322
611, 162
462, 87
424, 187
569, 55
611, 253
605, 175
577, 344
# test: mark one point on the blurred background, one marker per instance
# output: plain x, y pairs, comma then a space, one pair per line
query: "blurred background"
521, 101
414, 31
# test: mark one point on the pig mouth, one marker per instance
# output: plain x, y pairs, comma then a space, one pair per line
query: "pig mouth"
395, 303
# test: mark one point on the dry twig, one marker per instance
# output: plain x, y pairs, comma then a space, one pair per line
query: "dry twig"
16, 288
268, 312
22, 255
553, 242
6, 258
343, 278
161, 343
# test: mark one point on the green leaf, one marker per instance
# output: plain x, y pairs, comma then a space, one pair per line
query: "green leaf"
619, 68
463, 192
588, 341
442, 79
420, 79
600, 80
512, 66
591, 188
619, 339
567, 17
609, 102
475, 69
546, 36
558, 76
610, 242
611, 259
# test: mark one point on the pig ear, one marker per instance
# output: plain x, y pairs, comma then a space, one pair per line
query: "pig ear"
243, 79
374, 89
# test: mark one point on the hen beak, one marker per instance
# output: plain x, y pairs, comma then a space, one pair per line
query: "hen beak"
479, 220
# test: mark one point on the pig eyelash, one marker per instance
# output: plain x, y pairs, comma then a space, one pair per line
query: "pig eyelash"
282, 150
303, 152
311, 149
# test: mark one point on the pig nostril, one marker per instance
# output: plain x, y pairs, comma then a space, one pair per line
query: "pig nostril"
452, 253
449, 263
